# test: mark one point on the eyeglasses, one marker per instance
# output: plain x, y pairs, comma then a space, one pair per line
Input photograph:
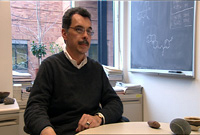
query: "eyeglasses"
81, 30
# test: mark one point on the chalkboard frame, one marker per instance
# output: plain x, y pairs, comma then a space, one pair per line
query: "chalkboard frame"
180, 73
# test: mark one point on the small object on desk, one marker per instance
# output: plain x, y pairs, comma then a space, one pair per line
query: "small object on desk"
194, 122
3, 95
154, 124
180, 127
8, 101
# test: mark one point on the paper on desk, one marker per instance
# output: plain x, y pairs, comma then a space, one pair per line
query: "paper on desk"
112, 70
128, 85
119, 88
127, 88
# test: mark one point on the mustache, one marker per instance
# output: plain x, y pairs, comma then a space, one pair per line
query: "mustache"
83, 42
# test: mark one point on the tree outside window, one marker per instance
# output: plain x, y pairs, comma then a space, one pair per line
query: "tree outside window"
40, 21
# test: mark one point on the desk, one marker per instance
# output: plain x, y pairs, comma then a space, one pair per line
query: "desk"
11, 108
9, 119
130, 128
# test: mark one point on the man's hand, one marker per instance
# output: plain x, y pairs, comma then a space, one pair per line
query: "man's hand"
88, 121
48, 131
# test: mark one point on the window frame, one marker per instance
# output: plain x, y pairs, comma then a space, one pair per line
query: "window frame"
102, 33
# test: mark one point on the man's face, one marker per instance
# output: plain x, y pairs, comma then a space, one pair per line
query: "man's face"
78, 43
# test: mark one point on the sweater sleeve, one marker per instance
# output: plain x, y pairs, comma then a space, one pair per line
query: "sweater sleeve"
35, 116
112, 107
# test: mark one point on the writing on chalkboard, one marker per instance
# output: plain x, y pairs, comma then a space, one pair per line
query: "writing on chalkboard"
181, 14
162, 35
143, 14
152, 39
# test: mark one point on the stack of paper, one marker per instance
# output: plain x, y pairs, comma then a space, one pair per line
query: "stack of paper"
17, 91
127, 88
113, 74
112, 70
22, 78
17, 76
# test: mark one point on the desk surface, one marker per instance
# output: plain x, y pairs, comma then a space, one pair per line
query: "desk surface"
11, 108
130, 128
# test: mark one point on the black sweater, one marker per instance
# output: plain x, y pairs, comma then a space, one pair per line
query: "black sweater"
61, 94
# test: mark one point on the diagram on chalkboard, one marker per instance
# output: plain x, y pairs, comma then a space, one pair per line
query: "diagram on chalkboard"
143, 14
181, 15
152, 39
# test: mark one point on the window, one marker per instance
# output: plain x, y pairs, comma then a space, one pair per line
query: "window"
20, 55
40, 21
103, 25
93, 52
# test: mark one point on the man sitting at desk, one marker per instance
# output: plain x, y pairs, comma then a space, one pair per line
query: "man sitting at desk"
70, 86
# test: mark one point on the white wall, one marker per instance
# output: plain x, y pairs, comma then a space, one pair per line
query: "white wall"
5, 48
166, 98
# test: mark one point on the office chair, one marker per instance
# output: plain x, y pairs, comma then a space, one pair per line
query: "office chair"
123, 119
